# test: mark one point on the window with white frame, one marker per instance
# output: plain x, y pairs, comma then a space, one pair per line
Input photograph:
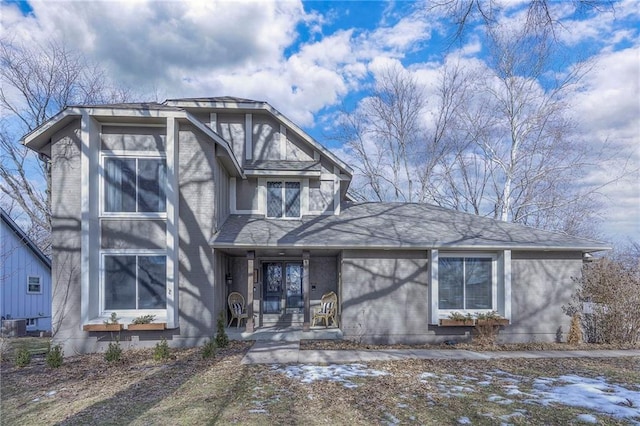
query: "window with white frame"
466, 283
34, 285
32, 322
134, 185
134, 282
283, 199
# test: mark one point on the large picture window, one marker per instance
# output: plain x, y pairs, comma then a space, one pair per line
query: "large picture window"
283, 199
135, 184
465, 283
135, 282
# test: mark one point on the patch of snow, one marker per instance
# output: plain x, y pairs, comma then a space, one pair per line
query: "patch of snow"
587, 418
393, 420
51, 393
594, 394
402, 405
499, 400
258, 411
507, 417
464, 421
334, 373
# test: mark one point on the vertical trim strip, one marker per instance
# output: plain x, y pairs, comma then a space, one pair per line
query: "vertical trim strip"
506, 259
173, 217
336, 190
213, 121
248, 137
433, 284
233, 196
89, 253
306, 325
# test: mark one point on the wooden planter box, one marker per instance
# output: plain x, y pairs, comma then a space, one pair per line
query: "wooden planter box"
492, 322
456, 323
102, 327
150, 326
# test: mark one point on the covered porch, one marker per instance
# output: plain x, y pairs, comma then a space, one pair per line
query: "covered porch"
282, 289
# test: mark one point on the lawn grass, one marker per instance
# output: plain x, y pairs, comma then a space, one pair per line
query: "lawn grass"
188, 390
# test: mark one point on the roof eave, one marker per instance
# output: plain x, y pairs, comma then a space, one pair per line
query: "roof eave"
388, 247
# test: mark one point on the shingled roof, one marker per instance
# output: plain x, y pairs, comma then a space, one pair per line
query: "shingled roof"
393, 226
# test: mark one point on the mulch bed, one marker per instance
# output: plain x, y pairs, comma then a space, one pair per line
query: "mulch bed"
353, 345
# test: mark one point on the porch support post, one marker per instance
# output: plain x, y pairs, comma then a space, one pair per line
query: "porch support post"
306, 325
251, 256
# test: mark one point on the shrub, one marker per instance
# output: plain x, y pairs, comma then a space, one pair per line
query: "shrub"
4, 349
161, 352
114, 352
607, 299
575, 332
54, 356
23, 357
209, 349
144, 319
222, 340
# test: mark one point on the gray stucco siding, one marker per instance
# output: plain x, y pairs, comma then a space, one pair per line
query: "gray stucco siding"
66, 244
320, 195
231, 128
323, 278
384, 295
198, 305
266, 146
297, 150
542, 282
247, 194
133, 234
133, 138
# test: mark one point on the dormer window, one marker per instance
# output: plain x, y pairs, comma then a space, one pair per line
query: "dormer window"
283, 199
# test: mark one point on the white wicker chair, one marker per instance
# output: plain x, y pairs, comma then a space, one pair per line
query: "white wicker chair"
328, 309
237, 308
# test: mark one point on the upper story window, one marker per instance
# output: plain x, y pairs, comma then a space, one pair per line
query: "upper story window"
135, 185
283, 199
34, 285
466, 283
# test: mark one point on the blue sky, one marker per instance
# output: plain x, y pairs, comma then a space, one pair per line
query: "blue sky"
311, 59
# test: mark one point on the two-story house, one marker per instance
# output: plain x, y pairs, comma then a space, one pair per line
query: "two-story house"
164, 209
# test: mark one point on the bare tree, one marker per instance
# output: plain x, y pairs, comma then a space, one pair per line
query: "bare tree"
541, 19
384, 135
37, 82
498, 141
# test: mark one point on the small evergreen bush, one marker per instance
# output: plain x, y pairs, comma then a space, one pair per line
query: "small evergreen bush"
114, 352
222, 340
161, 351
55, 356
209, 349
113, 319
23, 357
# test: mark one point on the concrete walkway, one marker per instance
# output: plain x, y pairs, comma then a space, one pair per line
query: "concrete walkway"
266, 352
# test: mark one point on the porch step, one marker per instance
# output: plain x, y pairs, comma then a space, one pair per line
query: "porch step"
282, 320
285, 334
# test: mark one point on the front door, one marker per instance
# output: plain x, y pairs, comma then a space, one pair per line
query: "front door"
282, 287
